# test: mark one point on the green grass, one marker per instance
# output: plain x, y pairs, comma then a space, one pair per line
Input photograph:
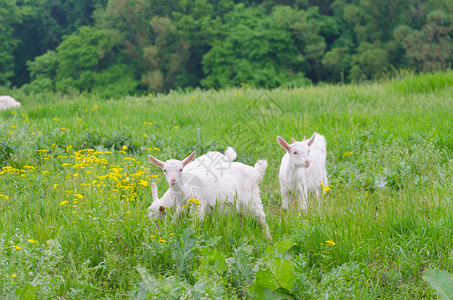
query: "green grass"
79, 217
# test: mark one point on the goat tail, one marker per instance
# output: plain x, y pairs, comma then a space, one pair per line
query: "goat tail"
230, 154
261, 167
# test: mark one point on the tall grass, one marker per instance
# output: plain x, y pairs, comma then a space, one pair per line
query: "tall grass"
73, 221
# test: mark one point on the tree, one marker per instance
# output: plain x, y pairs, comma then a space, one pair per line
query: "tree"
85, 61
9, 16
266, 50
436, 50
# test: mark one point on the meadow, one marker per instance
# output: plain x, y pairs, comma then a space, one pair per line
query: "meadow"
76, 183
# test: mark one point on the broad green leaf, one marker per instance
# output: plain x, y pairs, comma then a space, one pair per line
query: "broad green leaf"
279, 247
264, 293
283, 271
265, 278
441, 281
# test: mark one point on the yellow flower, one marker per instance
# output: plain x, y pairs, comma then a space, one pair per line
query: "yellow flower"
195, 201
33, 241
17, 247
125, 148
55, 119
56, 185
161, 240
172, 233
143, 182
128, 212
176, 127
238, 95
153, 236
330, 243
348, 153
63, 202
157, 149
150, 95
14, 275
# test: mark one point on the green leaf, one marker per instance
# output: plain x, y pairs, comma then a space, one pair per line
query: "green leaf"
264, 293
265, 278
283, 271
441, 281
279, 273
279, 247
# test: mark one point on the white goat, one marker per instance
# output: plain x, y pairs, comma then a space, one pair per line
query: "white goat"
8, 102
209, 161
303, 169
222, 182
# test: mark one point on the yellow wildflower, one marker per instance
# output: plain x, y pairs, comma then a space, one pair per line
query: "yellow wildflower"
17, 247
330, 243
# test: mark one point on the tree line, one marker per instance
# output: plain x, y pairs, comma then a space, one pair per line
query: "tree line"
118, 47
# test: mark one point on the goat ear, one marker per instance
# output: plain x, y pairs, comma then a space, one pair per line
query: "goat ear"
312, 139
188, 159
154, 192
293, 140
157, 162
305, 138
283, 143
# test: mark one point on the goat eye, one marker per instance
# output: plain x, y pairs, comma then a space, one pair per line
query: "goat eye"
295, 152
180, 170
165, 171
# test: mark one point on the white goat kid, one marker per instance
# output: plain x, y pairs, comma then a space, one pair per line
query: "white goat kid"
173, 173
8, 102
225, 183
303, 169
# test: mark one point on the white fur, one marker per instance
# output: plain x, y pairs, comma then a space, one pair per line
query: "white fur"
303, 169
8, 102
214, 178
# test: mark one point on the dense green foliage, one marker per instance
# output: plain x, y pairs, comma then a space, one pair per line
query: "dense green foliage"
75, 186
157, 46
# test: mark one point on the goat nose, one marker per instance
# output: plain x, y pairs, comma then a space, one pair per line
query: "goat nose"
307, 162
173, 180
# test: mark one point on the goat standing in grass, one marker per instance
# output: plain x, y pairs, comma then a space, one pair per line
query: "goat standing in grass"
303, 169
224, 182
